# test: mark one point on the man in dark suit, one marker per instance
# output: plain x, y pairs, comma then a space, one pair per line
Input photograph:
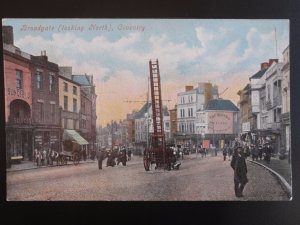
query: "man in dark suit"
238, 164
100, 157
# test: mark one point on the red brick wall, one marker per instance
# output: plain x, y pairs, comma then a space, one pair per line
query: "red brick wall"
12, 64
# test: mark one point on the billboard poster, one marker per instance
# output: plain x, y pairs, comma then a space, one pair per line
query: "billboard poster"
220, 122
205, 143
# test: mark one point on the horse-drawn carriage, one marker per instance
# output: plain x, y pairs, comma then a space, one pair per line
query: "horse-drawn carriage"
73, 151
46, 156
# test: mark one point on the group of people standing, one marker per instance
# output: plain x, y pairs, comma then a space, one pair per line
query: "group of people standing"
261, 152
227, 151
123, 155
256, 152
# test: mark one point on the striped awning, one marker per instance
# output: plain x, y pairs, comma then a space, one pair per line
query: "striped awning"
74, 136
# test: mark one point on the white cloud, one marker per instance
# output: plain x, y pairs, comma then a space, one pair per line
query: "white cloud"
204, 36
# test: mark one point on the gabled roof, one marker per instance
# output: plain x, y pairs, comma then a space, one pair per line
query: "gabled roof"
221, 104
141, 114
82, 79
258, 75
143, 110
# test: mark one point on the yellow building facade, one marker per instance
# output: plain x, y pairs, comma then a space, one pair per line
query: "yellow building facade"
69, 101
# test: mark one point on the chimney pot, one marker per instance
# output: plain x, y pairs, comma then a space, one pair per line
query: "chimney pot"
264, 65
8, 35
189, 88
272, 60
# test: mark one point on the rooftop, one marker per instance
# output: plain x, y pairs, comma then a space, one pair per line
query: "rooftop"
258, 75
221, 104
84, 79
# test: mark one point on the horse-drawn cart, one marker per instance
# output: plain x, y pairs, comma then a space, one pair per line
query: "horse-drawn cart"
72, 152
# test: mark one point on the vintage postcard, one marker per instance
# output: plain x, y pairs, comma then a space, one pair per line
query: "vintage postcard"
147, 109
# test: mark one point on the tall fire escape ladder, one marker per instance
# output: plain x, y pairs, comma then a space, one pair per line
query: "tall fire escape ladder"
158, 137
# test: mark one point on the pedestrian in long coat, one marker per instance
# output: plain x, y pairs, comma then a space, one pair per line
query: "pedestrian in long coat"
260, 152
100, 157
268, 152
225, 152
238, 164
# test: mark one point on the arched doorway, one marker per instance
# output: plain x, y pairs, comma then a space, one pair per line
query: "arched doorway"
19, 130
20, 112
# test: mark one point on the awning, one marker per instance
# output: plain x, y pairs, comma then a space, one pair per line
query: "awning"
74, 136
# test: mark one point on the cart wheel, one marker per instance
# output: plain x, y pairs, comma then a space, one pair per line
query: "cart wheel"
76, 159
65, 160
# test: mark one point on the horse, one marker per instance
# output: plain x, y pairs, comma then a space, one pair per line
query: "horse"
53, 156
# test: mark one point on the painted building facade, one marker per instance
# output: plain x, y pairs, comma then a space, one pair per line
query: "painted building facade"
45, 103
70, 102
285, 116
87, 88
144, 125
18, 104
188, 103
218, 121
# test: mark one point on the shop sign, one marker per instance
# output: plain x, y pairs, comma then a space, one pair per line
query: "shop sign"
245, 127
20, 93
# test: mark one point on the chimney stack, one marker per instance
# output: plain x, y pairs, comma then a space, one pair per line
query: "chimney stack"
272, 60
44, 55
8, 35
189, 88
264, 65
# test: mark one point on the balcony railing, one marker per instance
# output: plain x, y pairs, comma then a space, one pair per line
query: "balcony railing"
276, 126
273, 126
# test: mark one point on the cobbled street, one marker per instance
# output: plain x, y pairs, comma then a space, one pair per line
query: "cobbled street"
198, 179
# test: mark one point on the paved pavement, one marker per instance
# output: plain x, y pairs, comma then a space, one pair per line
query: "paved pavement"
283, 167
198, 179
280, 168
28, 165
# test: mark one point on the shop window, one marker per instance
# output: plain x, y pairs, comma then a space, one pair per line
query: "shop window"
74, 105
19, 79
52, 112
65, 102
41, 111
74, 90
51, 83
65, 87
65, 123
38, 77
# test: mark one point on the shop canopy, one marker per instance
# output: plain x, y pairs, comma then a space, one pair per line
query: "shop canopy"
74, 136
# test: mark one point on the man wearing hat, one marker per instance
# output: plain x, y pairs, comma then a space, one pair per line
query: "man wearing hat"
100, 157
238, 164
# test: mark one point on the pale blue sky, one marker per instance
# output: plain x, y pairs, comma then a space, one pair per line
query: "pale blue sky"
189, 50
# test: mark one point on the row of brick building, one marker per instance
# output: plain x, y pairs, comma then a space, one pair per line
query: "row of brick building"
265, 105
44, 104
199, 114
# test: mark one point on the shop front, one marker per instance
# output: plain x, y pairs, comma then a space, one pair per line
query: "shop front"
18, 144
46, 138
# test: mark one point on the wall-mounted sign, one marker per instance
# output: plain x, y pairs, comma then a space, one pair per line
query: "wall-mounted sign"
18, 93
245, 127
